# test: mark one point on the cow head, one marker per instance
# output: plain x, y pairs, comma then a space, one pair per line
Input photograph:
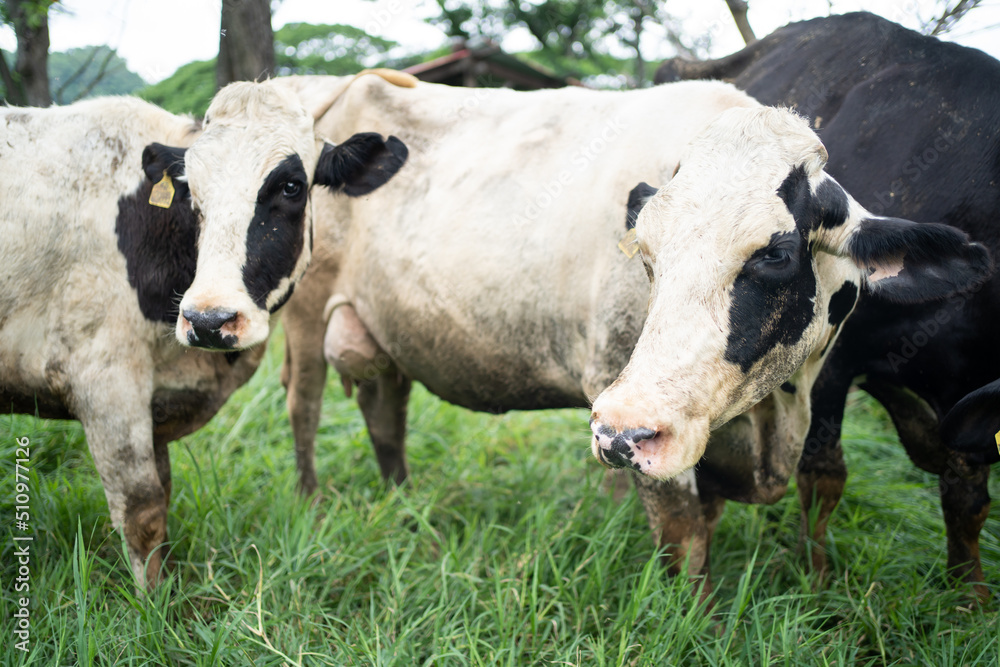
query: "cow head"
972, 426
248, 177
755, 257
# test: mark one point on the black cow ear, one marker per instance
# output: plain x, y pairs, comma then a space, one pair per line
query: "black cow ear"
972, 425
361, 164
157, 158
909, 262
637, 198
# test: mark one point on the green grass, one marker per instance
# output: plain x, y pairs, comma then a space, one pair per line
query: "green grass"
502, 549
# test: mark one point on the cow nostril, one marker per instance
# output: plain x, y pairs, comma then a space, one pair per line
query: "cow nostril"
637, 434
209, 320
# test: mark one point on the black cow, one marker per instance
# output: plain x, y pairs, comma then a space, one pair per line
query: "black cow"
912, 125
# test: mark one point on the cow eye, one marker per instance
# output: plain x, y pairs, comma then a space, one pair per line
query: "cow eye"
776, 256
292, 189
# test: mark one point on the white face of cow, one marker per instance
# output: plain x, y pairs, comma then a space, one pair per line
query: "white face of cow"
755, 257
249, 176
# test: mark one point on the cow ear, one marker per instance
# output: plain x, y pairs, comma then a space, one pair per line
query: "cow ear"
637, 198
157, 158
908, 262
361, 164
972, 425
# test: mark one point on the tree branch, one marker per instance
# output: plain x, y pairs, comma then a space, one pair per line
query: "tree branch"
102, 71
76, 75
949, 17
739, 8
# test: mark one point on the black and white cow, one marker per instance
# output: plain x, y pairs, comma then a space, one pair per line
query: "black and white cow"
489, 270
912, 125
91, 278
249, 175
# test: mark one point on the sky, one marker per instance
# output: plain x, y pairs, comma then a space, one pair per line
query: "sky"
155, 38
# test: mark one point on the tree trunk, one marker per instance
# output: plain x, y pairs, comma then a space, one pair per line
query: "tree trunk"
14, 95
739, 11
31, 65
639, 13
246, 45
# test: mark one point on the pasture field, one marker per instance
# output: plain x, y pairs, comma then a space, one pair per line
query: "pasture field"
504, 548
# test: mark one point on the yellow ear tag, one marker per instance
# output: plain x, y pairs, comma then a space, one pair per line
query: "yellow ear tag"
162, 194
629, 244
997, 437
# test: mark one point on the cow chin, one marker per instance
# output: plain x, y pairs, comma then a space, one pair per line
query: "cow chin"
660, 454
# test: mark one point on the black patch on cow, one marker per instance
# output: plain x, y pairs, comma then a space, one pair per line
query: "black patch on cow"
232, 357
159, 244
361, 164
42, 403
827, 207
157, 158
637, 198
842, 302
772, 299
788, 388
794, 191
831, 204
275, 237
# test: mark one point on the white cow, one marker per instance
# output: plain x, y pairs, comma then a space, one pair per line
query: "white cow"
90, 276
100, 237
489, 269
755, 256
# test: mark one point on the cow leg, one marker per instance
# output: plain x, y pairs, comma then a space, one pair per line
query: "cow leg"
822, 473
161, 452
383, 401
711, 508
305, 373
677, 518
965, 500
119, 433
916, 424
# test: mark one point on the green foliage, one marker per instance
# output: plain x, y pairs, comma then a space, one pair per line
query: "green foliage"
189, 90
578, 38
87, 71
502, 549
300, 48
304, 48
35, 12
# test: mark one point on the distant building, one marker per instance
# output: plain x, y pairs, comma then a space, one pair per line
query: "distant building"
481, 64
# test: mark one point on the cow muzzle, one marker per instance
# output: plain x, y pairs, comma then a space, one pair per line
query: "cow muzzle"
657, 449
621, 449
215, 328
221, 324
